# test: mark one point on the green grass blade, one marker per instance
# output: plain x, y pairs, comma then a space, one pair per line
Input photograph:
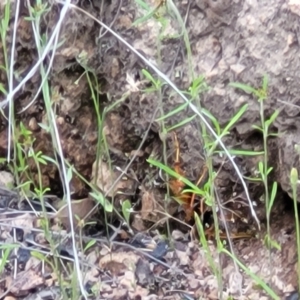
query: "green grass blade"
241, 152
244, 87
213, 120
201, 192
173, 112
272, 197
143, 4
144, 18
4, 258
294, 178
187, 120
103, 201
257, 128
174, 174
235, 118
265, 83
2, 89
272, 118
126, 206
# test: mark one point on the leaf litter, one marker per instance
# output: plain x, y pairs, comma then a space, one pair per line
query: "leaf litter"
147, 267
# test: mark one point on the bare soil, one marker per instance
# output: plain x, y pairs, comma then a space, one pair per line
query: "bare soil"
238, 41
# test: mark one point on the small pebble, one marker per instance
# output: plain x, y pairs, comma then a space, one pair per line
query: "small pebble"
293, 296
33, 125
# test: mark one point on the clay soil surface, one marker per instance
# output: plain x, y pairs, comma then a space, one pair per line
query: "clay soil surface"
157, 255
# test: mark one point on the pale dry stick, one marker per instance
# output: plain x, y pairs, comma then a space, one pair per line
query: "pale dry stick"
102, 34
68, 192
11, 80
16, 254
88, 239
44, 79
288, 104
168, 216
52, 44
51, 61
24, 228
47, 253
228, 234
191, 105
47, 48
102, 241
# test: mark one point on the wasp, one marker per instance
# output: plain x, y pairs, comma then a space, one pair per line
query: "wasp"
177, 186
160, 3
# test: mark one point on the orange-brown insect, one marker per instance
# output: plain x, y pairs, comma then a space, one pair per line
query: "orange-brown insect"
160, 3
176, 186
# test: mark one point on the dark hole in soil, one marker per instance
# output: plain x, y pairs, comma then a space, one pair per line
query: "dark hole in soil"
256, 138
284, 208
24, 95
288, 202
226, 81
56, 185
74, 67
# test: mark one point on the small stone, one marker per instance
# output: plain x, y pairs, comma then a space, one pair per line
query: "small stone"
33, 125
